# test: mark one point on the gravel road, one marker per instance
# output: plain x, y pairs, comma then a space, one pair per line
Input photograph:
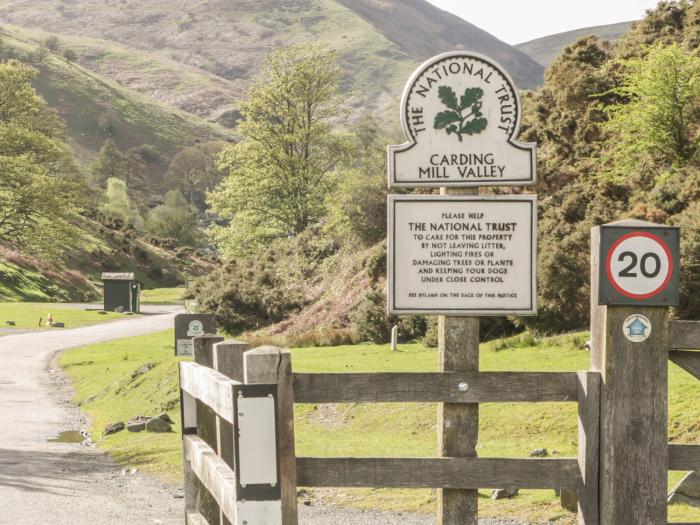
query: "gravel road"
43, 482
70, 484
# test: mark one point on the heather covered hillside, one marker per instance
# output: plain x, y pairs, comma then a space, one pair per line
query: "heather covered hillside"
378, 43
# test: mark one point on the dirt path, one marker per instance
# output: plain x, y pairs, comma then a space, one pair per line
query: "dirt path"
42, 482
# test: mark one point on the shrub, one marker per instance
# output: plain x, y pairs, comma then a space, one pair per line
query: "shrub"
370, 320
253, 292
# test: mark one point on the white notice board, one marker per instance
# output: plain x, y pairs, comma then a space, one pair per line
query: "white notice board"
462, 255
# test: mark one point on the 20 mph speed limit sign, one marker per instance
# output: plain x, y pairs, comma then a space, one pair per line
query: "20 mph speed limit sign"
639, 265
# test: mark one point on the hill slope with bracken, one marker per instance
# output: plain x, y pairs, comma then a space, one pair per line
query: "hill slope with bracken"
84, 98
545, 49
378, 42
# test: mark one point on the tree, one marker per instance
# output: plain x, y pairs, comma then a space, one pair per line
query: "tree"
110, 163
277, 177
52, 43
195, 171
38, 180
117, 204
657, 124
70, 55
174, 219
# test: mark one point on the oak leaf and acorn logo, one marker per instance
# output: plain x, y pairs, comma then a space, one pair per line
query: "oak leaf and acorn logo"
464, 116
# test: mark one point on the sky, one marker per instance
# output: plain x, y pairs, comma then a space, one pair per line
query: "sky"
516, 21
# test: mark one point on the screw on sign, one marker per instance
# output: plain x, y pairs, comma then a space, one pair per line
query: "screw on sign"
639, 265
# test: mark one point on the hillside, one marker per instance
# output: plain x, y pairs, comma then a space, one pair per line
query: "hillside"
544, 50
379, 43
99, 249
83, 97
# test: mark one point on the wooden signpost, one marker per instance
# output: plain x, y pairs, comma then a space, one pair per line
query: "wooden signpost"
634, 280
461, 255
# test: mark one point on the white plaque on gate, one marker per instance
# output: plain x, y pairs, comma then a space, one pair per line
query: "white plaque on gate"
462, 255
461, 113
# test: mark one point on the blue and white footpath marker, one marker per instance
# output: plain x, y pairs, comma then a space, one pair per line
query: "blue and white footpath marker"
636, 328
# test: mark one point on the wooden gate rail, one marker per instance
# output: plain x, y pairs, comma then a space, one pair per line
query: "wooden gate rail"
684, 335
210, 387
577, 477
440, 387
684, 457
214, 474
452, 473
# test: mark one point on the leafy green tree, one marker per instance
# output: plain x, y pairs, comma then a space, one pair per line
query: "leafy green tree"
657, 124
357, 207
39, 184
277, 177
118, 205
195, 170
110, 163
175, 219
52, 43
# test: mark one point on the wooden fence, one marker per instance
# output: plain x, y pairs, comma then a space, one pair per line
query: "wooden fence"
226, 372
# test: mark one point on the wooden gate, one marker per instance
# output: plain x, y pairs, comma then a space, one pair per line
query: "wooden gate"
618, 478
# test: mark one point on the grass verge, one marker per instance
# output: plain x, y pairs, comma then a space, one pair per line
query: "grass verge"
27, 315
109, 390
163, 296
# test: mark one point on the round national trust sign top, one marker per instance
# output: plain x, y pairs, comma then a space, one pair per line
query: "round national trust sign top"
461, 112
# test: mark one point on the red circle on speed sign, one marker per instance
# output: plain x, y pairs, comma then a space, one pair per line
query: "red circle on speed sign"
639, 265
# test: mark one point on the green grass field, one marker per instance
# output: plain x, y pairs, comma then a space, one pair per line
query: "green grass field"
163, 296
27, 315
102, 375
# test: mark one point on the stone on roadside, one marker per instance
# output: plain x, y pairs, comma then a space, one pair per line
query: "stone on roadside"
113, 428
156, 424
504, 493
58, 325
10, 323
687, 491
137, 423
539, 453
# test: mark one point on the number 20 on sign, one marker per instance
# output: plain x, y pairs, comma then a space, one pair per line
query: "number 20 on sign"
639, 265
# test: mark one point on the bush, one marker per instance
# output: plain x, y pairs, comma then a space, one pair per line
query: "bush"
430, 339
357, 208
372, 324
370, 320
251, 293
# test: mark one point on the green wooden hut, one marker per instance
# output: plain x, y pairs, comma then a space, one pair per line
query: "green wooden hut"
121, 290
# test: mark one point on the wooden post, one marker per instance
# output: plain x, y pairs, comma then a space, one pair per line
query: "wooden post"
271, 365
586, 499
207, 426
458, 424
227, 359
634, 409
188, 417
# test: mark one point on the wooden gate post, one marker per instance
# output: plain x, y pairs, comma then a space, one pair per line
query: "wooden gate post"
271, 365
634, 403
458, 424
227, 359
207, 425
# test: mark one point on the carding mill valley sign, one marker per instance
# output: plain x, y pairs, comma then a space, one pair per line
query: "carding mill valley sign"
461, 114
